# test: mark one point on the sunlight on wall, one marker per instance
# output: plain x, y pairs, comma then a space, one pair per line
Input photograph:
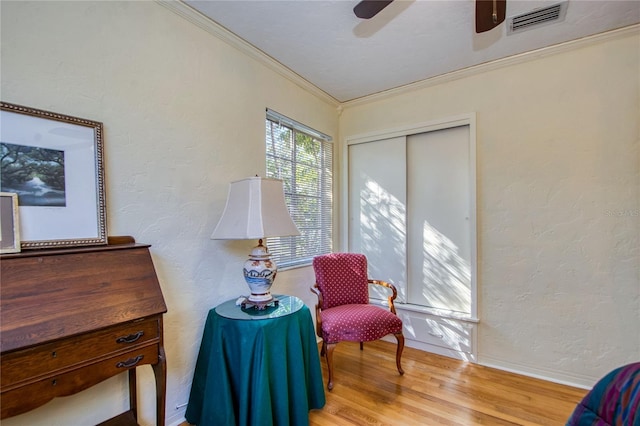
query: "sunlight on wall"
446, 275
383, 234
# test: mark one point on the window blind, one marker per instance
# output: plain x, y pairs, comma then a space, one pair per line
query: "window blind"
303, 159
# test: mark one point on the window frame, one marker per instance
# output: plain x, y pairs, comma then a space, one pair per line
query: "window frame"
322, 233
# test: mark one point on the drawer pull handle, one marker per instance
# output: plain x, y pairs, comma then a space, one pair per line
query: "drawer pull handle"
439, 336
130, 338
130, 362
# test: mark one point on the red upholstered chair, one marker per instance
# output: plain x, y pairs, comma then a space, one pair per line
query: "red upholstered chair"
343, 311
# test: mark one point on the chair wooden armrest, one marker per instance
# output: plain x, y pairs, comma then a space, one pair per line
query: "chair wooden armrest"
342, 285
393, 295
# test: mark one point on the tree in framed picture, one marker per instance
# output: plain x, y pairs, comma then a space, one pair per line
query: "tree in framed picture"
36, 173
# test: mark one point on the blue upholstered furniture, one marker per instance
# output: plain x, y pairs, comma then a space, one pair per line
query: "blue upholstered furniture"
614, 400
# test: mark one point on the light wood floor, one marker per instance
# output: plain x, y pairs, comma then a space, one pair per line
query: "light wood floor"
434, 390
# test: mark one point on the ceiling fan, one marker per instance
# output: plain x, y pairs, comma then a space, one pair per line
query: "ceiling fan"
489, 13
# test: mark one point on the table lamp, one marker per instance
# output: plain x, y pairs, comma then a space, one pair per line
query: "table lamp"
256, 209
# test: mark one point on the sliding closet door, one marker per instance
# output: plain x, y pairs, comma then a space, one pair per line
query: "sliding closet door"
409, 205
377, 208
439, 247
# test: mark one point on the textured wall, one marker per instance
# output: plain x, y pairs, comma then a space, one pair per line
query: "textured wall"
558, 167
558, 179
183, 115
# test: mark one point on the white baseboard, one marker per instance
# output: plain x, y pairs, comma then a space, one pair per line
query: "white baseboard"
176, 419
463, 356
555, 376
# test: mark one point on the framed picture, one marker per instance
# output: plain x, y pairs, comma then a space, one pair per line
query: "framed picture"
9, 223
54, 163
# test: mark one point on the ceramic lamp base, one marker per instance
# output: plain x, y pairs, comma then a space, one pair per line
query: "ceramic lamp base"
259, 273
260, 298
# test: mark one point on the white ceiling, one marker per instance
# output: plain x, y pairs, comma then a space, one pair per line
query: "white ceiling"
409, 41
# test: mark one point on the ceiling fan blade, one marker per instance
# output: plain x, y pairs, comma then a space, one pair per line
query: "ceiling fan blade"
489, 14
367, 9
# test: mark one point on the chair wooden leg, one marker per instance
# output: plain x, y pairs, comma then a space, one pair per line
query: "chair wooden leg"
329, 354
400, 339
361, 346
324, 348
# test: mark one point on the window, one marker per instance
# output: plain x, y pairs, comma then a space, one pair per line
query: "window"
302, 158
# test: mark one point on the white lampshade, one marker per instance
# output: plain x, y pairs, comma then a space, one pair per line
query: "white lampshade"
255, 209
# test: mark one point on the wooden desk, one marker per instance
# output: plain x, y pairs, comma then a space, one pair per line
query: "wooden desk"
71, 318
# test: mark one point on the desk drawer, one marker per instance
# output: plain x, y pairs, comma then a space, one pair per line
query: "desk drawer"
17, 400
45, 359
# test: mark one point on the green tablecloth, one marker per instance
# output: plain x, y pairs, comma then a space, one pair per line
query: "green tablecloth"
257, 371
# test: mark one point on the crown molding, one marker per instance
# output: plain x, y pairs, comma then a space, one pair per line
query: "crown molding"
497, 64
187, 12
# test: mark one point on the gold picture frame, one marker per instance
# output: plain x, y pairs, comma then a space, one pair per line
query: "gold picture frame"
54, 162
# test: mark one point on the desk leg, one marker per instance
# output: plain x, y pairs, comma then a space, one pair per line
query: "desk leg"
160, 372
133, 394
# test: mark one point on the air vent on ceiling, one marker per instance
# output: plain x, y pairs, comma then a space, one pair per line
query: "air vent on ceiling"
536, 18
